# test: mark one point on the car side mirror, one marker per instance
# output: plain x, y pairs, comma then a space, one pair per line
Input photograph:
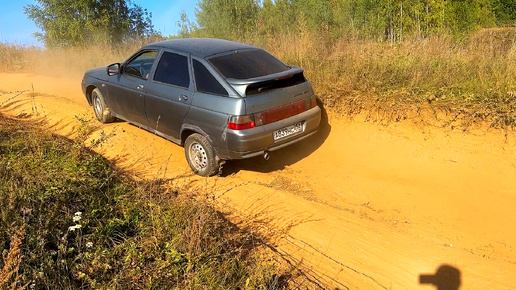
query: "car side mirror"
113, 69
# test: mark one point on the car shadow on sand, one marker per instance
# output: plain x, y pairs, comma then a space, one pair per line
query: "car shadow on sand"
281, 158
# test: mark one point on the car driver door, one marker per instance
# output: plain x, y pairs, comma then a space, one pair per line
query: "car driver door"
126, 94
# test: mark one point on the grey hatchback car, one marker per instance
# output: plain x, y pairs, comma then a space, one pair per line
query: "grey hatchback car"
219, 99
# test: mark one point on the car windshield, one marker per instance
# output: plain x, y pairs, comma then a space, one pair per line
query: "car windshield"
247, 64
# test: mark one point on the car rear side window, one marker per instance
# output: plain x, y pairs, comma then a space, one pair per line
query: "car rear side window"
206, 82
173, 69
247, 64
141, 65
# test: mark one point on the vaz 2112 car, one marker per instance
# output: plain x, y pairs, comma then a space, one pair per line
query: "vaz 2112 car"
219, 99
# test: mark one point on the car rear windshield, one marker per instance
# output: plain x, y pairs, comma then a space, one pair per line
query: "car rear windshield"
247, 64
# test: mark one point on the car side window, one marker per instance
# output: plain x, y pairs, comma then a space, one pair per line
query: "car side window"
173, 69
141, 66
206, 82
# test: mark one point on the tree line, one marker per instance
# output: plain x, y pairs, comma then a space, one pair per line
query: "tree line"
390, 20
79, 22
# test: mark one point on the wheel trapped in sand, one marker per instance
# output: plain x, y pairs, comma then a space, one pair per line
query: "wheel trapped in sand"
219, 99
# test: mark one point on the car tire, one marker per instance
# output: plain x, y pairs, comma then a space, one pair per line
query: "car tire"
200, 155
99, 107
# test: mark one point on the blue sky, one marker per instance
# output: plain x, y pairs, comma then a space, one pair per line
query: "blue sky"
15, 27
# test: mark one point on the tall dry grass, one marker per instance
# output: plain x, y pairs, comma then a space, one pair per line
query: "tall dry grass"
474, 79
10, 277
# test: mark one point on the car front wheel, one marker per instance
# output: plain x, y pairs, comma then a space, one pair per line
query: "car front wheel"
99, 107
200, 155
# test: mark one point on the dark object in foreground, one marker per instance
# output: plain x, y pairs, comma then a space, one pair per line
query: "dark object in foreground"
446, 278
219, 99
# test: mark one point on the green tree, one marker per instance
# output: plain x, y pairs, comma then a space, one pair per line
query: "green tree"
227, 18
79, 22
318, 13
381, 20
462, 16
276, 17
504, 12
186, 27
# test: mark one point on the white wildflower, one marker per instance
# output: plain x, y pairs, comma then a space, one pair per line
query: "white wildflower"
89, 244
77, 216
73, 228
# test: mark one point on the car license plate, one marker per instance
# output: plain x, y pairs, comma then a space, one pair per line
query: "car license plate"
287, 131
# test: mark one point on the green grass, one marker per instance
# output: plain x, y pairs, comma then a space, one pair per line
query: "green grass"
132, 235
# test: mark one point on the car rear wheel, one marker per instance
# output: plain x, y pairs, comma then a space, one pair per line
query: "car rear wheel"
99, 107
200, 155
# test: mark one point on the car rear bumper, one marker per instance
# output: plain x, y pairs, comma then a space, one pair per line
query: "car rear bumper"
256, 141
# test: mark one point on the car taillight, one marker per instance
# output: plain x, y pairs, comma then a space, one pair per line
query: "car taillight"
261, 118
241, 122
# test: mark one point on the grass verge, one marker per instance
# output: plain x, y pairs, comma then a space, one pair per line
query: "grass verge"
465, 83
69, 221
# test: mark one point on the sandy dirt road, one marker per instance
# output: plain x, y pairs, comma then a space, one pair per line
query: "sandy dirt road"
363, 206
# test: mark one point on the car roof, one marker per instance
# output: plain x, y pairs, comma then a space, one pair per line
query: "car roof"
202, 47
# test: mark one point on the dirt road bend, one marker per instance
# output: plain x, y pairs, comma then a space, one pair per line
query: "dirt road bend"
364, 206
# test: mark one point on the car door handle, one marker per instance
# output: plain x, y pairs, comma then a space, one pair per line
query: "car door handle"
140, 87
183, 98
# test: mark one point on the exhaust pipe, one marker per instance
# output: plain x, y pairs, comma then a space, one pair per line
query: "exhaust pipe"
266, 155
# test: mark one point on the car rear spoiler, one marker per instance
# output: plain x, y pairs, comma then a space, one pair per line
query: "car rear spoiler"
260, 85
